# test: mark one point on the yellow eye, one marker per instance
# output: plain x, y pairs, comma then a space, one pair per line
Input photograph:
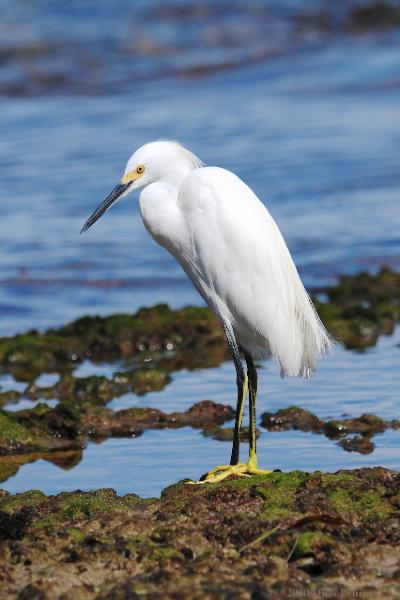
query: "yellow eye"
140, 169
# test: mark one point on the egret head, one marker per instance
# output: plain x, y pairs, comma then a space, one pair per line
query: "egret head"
163, 160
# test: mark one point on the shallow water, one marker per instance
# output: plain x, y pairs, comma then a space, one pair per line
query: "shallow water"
347, 383
150, 463
322, 153
311, 128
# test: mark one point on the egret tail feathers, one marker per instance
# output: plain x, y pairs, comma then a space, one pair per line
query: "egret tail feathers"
308, 340
292, 331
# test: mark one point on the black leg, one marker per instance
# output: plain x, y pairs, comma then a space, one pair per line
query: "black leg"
241, 380
252, 377
244, 382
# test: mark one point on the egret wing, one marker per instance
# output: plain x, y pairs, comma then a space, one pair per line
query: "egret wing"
239, 262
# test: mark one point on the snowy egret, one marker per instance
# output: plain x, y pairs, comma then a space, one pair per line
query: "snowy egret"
233, 252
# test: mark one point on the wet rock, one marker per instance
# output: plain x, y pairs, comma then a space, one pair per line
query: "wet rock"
362, 307
133, 421
380, 14
207, 413
9, 397
359, 309
66, 427
39, 429
358, 443
293, 417
93, 389
226, 434
366, 425
241, 538
99, 389
150, 331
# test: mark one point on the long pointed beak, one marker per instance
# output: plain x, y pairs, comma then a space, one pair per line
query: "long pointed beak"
111, 199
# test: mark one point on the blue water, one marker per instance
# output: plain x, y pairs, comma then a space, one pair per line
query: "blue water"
346, 383
308, 120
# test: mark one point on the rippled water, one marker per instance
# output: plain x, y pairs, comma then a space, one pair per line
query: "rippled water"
309, 121
346, 383
313, 134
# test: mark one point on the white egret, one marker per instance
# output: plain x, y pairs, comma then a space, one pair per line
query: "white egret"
233, 252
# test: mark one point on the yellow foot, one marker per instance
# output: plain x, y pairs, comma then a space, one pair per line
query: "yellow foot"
224, 471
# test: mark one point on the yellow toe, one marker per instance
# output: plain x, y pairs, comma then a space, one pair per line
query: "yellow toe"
224, 471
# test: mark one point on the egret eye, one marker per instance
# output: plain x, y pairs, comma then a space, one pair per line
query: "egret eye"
140, 169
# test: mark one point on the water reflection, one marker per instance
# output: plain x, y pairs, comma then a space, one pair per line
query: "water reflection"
153, 461
347, 382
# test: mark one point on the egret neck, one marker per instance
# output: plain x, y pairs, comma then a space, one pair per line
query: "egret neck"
161, 216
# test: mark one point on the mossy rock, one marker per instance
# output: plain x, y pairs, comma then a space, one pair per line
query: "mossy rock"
309, 542
359, 309
11, 430
276, 529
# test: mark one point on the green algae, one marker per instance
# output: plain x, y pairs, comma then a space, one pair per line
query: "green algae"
94, 389
76, 534
310, 541
345, 491
73, 507
8, 469
9, 397
11, 504
11, 430
98, 389
279, 492
141, 380
84, 504
40, 429
358, 310
292, 417
276, 529
368, 506
109, 338
165, 553
362, 307
44, 430
174, 487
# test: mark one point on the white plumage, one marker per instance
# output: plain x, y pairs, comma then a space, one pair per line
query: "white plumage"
232, 250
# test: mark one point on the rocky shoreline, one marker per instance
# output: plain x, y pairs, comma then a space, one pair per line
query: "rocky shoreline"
284, 535
278, 536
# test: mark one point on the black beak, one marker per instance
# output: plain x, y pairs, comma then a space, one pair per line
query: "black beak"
106, 204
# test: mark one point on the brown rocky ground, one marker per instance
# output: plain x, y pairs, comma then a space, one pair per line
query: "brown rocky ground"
284, 535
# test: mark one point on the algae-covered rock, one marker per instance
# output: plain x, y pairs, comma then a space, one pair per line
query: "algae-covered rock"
39, 429
365, 424
292, 417
109, 338
295, 417
362, 307
67, 427
241, 538
358, 310
357, 443
9, 397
